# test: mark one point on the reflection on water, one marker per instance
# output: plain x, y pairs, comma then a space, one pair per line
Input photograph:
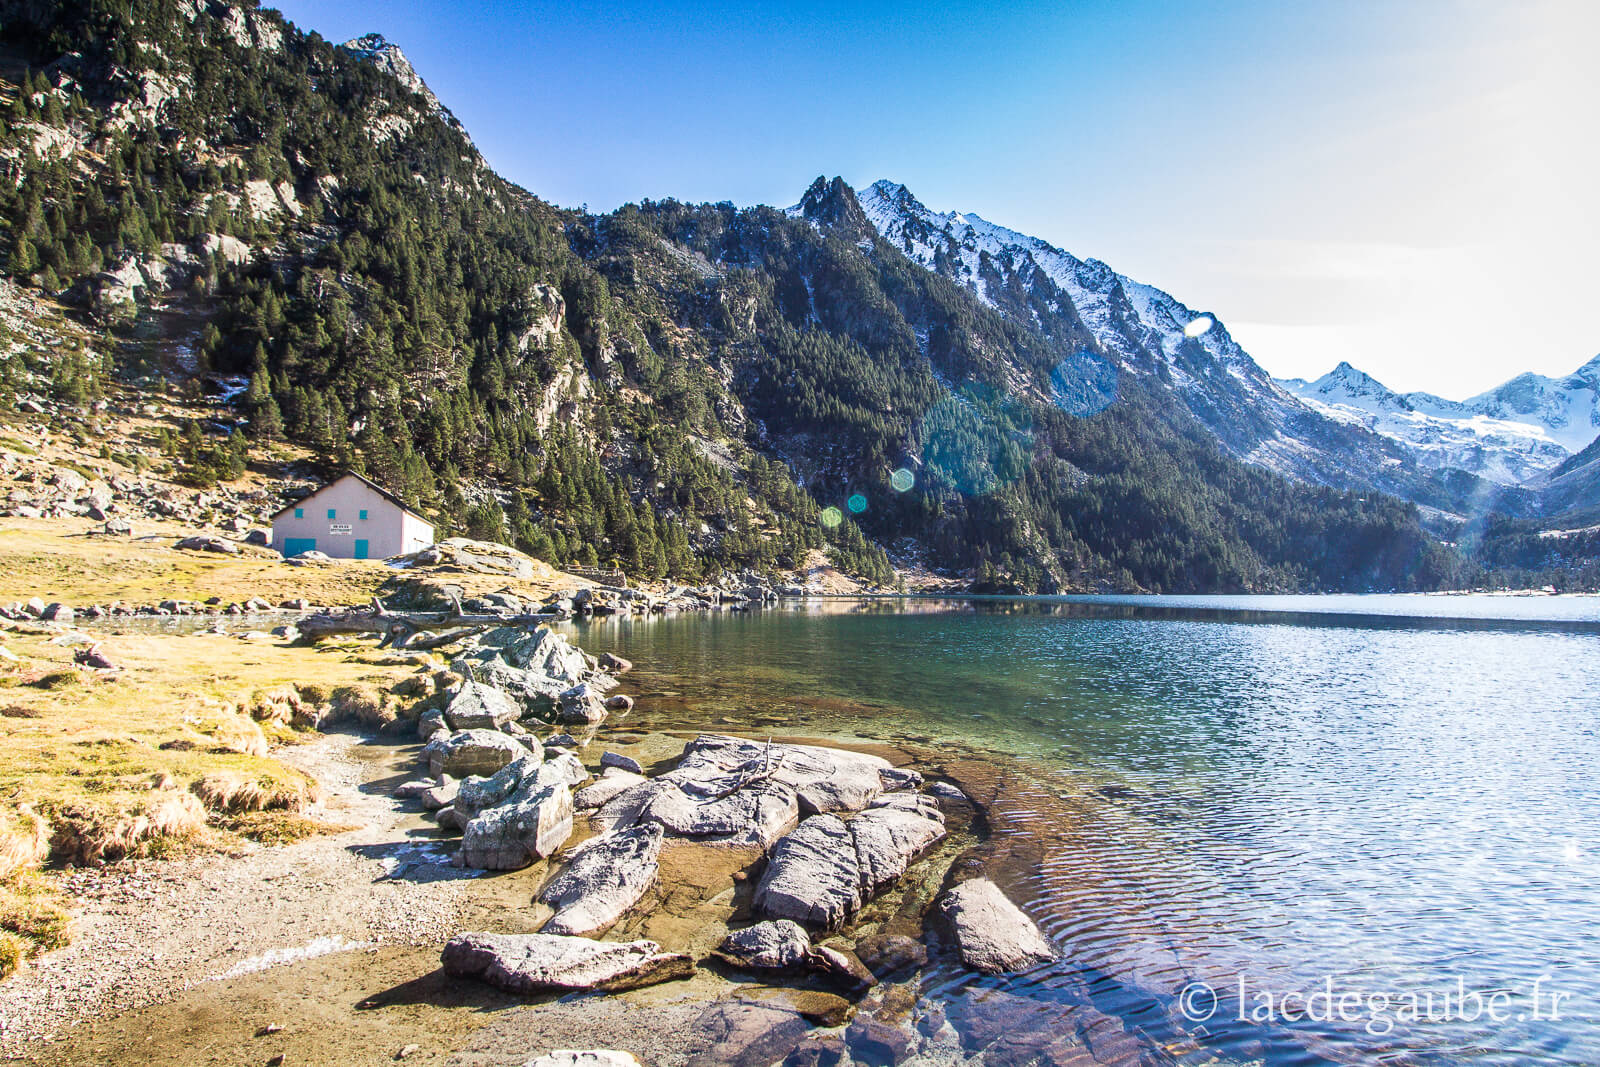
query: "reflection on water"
1401, 803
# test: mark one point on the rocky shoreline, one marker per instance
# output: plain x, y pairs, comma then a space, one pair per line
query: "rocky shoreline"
737, 900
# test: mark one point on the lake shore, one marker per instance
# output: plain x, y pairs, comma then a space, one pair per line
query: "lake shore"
327, 949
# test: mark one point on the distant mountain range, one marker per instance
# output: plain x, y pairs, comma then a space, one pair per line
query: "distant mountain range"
1514, 434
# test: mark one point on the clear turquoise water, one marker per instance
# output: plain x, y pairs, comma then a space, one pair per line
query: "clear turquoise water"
1397, 793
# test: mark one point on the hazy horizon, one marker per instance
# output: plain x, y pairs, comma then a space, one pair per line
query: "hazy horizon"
1406, 187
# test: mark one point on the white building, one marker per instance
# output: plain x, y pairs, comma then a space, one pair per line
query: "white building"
350, 518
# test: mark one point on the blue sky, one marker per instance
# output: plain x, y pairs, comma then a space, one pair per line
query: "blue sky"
1407, 185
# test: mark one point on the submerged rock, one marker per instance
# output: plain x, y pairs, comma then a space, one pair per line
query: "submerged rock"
553, 963
991, 933
603, 878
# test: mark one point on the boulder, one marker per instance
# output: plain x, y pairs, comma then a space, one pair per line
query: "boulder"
991, 933
824, 779
431, 723
615, 664
478, 793
619, 702
57, 613
824, 871
555, 963
602, 879
471, 752
536, 692
582, 704
769, 946
571, 768
439, 796
725, 810
533, 823
784, 947
480, 707
208, 544
543, 651
889, 836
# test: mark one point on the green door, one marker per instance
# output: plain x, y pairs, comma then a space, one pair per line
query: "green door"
293, 546
361, 549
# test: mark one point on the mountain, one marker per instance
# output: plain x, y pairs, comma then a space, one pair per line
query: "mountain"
1183, 353
1514, 435
682, 390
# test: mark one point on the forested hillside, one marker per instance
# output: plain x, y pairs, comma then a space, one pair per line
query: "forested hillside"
677, 389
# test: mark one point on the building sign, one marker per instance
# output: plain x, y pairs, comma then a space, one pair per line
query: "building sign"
339, 528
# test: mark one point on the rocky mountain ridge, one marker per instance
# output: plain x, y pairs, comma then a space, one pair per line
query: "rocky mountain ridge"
1516, 433
1413, 445
671, 389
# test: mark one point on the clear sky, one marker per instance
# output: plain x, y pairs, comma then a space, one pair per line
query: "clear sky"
1408, 184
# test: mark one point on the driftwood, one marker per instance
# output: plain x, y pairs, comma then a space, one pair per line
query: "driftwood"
402, 628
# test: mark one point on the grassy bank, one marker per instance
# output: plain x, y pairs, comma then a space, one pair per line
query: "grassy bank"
169, 753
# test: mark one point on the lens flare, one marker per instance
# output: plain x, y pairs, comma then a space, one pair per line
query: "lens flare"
902, 480
831, 517
1198, 326
857, 504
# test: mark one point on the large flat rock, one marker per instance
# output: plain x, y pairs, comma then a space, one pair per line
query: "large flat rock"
602, 879
552, 963
823, 872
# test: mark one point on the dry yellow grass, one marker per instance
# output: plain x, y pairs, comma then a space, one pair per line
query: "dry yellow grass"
59, 559
165, 754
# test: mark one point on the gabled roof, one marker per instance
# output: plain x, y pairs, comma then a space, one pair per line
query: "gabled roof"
368, 482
